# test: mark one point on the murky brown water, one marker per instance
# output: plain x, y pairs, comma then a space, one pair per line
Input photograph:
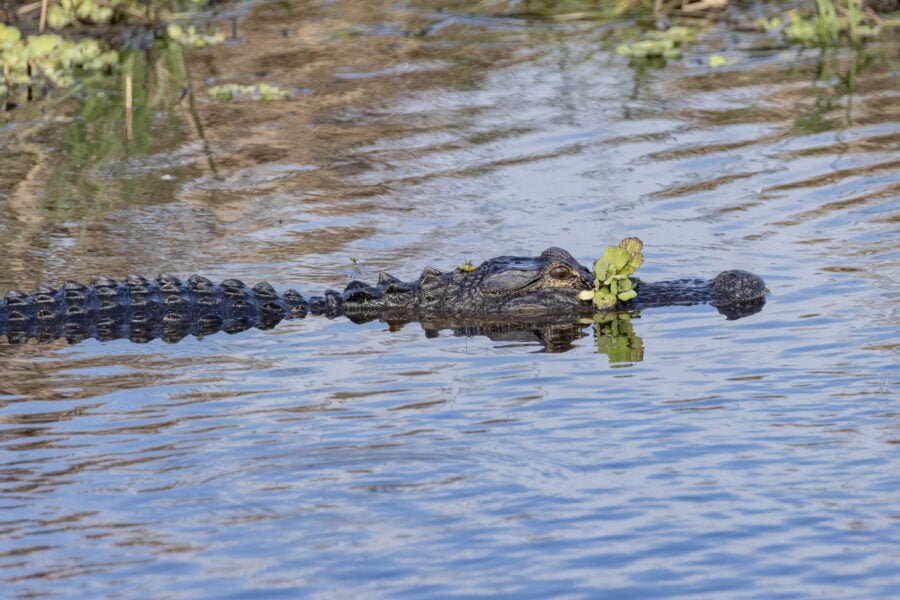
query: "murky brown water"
753, 458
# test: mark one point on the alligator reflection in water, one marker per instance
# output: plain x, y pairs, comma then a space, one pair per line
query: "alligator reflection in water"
614, 332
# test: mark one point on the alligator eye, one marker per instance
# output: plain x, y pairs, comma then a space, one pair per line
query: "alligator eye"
560, 272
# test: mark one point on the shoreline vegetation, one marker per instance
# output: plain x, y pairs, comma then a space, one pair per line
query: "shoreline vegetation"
61, 45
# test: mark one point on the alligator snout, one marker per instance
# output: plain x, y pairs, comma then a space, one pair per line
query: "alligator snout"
737, 286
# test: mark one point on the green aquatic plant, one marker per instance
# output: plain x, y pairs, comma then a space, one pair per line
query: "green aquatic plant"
833, 22
49, 58
262, 91
664, 44
717, 60
190, 37
55, 60
611, 271
69, 12
100, 12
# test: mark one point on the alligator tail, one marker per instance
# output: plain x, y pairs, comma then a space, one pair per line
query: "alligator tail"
142, 309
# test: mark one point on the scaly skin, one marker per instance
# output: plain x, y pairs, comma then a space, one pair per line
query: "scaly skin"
501, 294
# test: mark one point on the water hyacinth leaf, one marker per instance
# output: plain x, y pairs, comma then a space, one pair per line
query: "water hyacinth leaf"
616, 256
611, 282
269, 93
604, 300
632, 245
84, 9
611, 270
9, 35
57, 18
40, 46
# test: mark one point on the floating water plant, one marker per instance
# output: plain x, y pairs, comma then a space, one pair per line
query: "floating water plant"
189, 36
717, 60
69, 12
834, 20
611, 282
665, 44
49, 57
263, 91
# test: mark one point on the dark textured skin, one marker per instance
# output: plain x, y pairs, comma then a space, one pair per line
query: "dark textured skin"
503, 295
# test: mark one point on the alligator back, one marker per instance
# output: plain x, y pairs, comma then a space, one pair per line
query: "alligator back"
143, 309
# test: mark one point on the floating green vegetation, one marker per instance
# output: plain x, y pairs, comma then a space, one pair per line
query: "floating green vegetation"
101, 12
56, 60
659, 44
611, 282
49, 58
834, 21
717, 60
815, 23
189, 36
70, 12
262, 91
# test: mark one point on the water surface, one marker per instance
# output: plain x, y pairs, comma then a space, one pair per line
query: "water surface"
750, 458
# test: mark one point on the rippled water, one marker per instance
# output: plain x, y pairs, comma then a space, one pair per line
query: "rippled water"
750, 458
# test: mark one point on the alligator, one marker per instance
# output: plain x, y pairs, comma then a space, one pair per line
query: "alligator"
504, 294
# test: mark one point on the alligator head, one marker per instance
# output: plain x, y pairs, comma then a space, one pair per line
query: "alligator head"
514, 285
523, 286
